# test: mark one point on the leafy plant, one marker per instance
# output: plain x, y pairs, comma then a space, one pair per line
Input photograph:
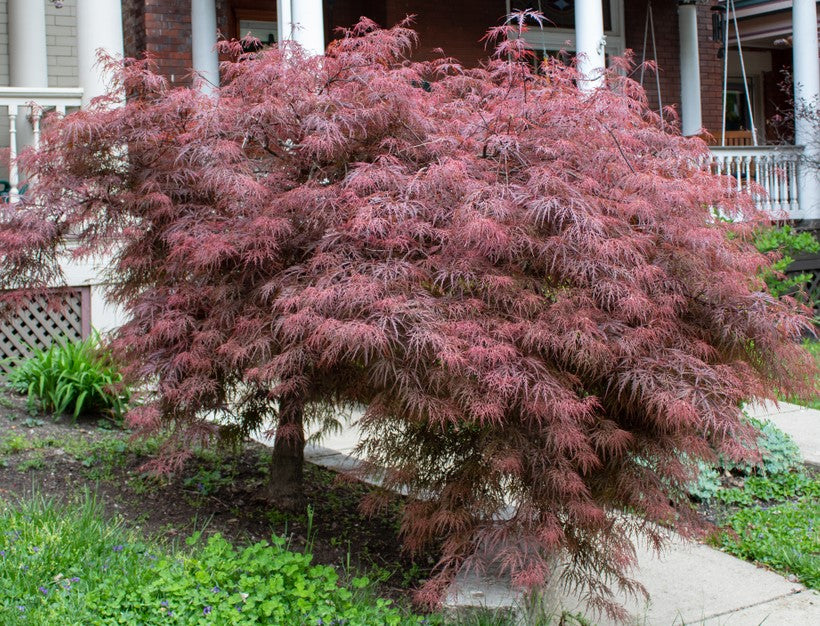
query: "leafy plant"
779, 453
783, 536
36, 462
785, 243
12, 444
785, 486
707, 484
73, 377
521, 281
206, 482
66, 564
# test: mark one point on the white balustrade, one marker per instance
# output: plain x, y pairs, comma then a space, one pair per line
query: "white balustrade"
32, 104
774, 168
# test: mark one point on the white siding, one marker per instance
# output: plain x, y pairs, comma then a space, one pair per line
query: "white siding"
61, 43
4, 47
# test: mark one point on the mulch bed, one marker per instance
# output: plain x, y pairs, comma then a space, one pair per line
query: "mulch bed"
216, 492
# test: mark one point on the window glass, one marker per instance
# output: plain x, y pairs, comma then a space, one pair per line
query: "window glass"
560, 13
264, 31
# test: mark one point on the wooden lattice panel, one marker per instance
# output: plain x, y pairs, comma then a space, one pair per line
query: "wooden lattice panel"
39, 323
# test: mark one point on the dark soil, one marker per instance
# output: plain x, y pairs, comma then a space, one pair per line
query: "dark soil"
216, 492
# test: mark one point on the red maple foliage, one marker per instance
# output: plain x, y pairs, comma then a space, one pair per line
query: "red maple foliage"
522, 283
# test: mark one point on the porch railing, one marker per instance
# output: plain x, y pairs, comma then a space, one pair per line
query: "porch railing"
774, 168
31, 103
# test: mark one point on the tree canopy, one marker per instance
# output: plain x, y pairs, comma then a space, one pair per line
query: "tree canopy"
523, 284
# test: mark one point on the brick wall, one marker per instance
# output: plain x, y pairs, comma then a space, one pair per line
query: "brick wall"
711, 73
668, 41
168, 37
457, 26
133, 27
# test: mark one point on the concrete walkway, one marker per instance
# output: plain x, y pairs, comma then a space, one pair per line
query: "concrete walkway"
801, 423
689, 583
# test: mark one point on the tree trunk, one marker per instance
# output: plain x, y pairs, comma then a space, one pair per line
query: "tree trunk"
285, 484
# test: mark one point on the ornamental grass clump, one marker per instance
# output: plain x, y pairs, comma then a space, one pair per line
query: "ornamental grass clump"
521, 282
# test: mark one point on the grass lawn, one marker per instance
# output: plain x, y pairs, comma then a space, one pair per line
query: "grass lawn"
773, 521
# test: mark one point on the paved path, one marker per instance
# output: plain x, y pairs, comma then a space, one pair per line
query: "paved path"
692, 583
801, 423
689, 583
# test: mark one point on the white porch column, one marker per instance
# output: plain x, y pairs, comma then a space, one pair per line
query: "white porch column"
203, 42
691, 119
807, 102
590, 43
99, 25
303, 21
28, 63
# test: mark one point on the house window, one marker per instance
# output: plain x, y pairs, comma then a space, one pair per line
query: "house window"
264, 30
559, 32
259, 23
737, 108
559, 13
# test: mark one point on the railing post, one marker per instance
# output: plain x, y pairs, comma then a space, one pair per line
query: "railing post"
36, 116
14, 176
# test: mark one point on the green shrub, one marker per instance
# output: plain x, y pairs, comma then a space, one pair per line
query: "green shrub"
64, 564
788, 243
76, 378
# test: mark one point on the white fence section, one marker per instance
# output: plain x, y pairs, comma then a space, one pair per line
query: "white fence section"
774, 168
31, 104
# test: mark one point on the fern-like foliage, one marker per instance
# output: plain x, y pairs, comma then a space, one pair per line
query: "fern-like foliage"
521, 282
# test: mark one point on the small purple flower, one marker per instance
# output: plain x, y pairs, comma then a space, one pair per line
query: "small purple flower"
74, 579
43, 590
215, 589
2, 553
164, 603
35, 549
206, 610
21, 608
117, 548
170, 613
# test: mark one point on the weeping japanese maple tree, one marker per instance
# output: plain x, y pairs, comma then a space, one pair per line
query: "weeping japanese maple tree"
523, 284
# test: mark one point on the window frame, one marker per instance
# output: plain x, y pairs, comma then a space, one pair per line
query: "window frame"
555, 39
